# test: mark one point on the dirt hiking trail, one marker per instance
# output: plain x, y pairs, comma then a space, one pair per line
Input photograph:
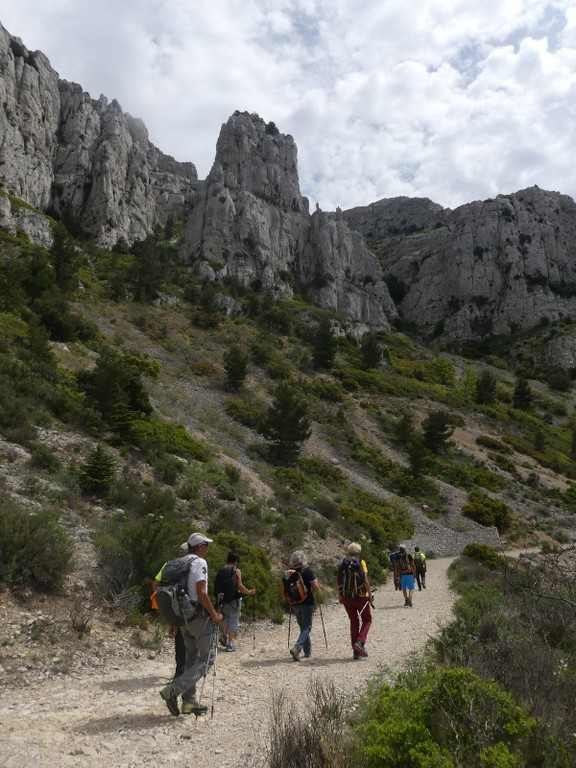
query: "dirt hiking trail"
111, 714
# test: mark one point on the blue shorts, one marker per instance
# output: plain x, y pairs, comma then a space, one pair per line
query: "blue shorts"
407, 581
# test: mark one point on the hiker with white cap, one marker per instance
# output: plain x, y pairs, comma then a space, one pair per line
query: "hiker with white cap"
197, 633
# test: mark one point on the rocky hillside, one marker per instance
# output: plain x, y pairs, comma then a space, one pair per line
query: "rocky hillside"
116, 259
488, 268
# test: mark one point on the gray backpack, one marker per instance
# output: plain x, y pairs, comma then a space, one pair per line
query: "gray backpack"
174, 604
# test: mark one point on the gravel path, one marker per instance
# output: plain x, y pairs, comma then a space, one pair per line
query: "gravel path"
112, 714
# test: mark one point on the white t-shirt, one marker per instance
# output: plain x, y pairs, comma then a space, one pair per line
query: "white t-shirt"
198, 572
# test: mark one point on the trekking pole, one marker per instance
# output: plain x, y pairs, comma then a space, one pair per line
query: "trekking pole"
289, 622
215, 643
323, 627
254, 627
207, 661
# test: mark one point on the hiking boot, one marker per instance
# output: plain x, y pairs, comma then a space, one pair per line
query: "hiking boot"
171, 700
191, 708
223, 641
405, 602
307, 655
295, 653
230, 647
409, 602
356, 656
359, 648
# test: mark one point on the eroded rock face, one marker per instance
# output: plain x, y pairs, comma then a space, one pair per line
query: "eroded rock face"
251, 222
85, 159
492, 267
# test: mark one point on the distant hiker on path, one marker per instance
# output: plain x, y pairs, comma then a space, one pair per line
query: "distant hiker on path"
173, 631
420, 563
228, 591
355, 594
395, 577
406, 571
200, 639
298, 587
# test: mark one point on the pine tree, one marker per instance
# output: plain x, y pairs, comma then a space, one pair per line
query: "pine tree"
236, 367
522, 398
286, 424
371, 351
486, 388
416, 456
404, 428
325, 345
98, 472
437, 430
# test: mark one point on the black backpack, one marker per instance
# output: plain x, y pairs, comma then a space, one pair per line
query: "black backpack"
225, 584
174, 605
404, 563
294, 590
351, 578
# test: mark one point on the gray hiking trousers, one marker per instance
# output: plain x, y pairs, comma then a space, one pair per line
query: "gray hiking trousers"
197, 636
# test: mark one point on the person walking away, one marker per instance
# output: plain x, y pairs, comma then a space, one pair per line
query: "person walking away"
406, 571
304, 609
355, 594
420, 563
173, 631
228, 591
395, 577
197, 634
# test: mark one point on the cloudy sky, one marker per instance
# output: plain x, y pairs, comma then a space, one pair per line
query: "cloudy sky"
455, 101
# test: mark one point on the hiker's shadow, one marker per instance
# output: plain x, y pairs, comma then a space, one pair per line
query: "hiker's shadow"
118, 723
131, 684
311, 663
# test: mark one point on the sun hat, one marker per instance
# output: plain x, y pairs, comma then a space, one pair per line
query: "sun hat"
198, 538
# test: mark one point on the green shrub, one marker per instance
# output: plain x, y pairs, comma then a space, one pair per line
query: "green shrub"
487, 511
248, 411
131, 551
386, 522
504, 463
491, 442
452, 718
327, 389
35, 550
158, 436
463, 471
256, 572
485, 554
43, 457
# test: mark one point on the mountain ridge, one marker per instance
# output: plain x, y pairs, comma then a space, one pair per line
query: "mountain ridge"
485, 268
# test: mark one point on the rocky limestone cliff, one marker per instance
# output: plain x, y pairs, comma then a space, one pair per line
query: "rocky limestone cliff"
486, 268
83, 159
492, 267
251, 222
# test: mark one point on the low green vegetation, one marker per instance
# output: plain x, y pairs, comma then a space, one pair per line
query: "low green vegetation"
35, 550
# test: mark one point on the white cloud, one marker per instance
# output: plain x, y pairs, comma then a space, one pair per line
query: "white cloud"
454, 102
